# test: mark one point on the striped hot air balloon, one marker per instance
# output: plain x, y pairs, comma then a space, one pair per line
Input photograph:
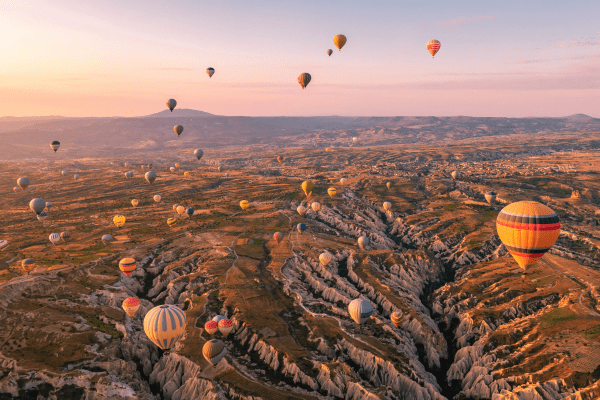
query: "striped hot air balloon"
225, 326
127, 266
528, 230
396, 318
66, 235
331, 192
28, 264
304, 79
213, 351
131, 305
3, 245
172, 221
164, 325
55, 145
433, 46
211, 327
54, 238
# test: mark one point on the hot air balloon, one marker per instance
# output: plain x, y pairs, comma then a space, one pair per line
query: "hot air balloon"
363, 242
343, 181
171, 221
129, 174
211, 327
210, 72
244, 204
527, 229
307, 186
3, 245
213, 351
64, 172
17, 189
178, 129
180, 210
55, 145
189, 211
339, 41
172, 169
329, 52
150, 177
119, 220
304, 79
455, 175
355, 139
106, 239
331, 192
301, 227
198, 153
327, 149
48, 205
278, 236
175, 207
42, 216
325, 258
28, 264
226, 174
135, 202
490, 196
387, 206
315, 206
157, 198
219, 168
54, 238
217, 318
177, 165
396, 318
280, 159
171, 103
186, 174
23, 183
389, 185
301, 209
433, 46
37, 205
164, 325
131, 305
127, 265
360, 310
66, 235
225, 326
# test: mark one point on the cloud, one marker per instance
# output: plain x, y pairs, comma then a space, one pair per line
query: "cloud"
580, 43
542, 60
174, 69
466, 21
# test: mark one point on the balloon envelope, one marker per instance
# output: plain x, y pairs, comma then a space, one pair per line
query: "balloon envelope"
301, 227
127, 265
28, 264
135, 202
325, 258
76, 176
455, 174
301, 209
387, 206
339, 41
131, 305
490, 196
180, 210
3, 245
23, 182
42, 216
396, 318
150, 176
211, 327
307, 186
210, 72
278, 236
54, 238
244, 204
213, 351
329, 52
360, 310
157, 198
55, 145
106, 239
363, 242
164, 325
66, 235
171, 103
304, 79
225, 326
433, 46
198, 153
37, 205
331, 191
119, 220
178, 129
315, 206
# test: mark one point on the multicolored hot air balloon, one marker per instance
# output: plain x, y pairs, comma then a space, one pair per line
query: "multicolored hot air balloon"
304, 79
213, 351
54, 238
23, 182
325, 258
171, 221
396, 318
150, 177
339, 41
127, 265
190, 212
280, 159
329, 52
225, 326
28, 265
244, 204
331, 192
433, 46
301, 227
119, 220
171, 103
301, 209
3, 245
17, 189
211, 327
210, 71
165, 325
490, 197
178, 129
527, 229
131, 305
278, 236
307, 186
363, 242
360, 310
315, 206
55, 145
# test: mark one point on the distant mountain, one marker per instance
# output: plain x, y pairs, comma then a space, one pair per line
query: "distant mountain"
578, 116
181, 112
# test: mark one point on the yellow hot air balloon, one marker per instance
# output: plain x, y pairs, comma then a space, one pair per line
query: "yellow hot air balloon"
164, 325
172, 221
119, 220
396, 318
339, 41
389, 185
28, 265
331, 192
177, 165
327, 149
186, 174
307, 186
527, 229
131, 305
180, 210
135, 202
244, 204
304, 79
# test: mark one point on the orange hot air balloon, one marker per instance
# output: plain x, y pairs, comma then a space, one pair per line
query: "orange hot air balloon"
127, 266
280, 159
131, 305
304, 79
527, 229
433, 46
396, 318
211, 327
278, 236
339, 41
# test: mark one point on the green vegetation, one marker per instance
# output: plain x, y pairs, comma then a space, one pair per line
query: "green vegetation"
593, 331
451, 207
106, 328
556, 317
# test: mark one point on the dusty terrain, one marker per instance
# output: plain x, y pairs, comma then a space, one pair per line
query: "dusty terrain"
475, 326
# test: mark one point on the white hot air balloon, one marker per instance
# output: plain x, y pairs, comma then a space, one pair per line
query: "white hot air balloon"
343, 181
387, 206
54, 238
315, 206
363, 242
217, 318
48, 205
106, 239
64, 172
360, 310
325, 258
164, 325
301, 209
76, 176
157, 198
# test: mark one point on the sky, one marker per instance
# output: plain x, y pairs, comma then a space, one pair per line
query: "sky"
512, 58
